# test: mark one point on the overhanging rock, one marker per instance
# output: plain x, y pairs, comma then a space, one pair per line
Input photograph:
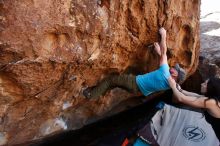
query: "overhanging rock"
51, 50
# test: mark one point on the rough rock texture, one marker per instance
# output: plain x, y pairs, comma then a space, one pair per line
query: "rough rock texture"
209, 62
51, 50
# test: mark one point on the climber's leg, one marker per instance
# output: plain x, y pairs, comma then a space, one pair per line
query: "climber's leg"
127, 82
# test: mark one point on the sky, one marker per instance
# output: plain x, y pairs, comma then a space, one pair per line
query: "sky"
210, 12
209, 6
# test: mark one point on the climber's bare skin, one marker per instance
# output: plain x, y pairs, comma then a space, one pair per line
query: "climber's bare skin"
161, 48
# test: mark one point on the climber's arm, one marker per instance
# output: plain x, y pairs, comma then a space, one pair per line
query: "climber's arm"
163, 46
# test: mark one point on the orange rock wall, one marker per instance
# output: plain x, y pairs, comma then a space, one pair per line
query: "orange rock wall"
51, 50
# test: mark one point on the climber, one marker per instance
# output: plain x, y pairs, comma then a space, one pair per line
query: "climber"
147, 83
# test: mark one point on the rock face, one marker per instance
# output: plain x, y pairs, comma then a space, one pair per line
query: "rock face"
209, 62
51, 50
